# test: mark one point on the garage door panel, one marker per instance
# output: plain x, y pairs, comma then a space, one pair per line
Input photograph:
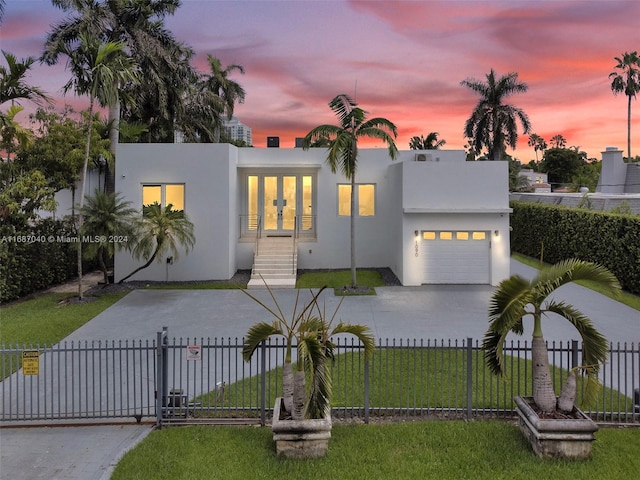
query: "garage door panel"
456, 261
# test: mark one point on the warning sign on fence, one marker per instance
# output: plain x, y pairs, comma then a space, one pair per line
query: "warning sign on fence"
193, 352
30, 362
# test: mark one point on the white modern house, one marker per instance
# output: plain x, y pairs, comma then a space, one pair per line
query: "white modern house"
431, 217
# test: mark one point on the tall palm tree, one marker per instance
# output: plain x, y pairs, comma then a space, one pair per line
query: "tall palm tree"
517, 297
343, 147
558, 141
538, 143
98, 69
159, 232
627, 80
431, 142
109, 221
13, 85
493, 124
138, 25
218, 81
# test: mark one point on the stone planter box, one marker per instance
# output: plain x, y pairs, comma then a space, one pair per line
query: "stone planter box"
300, 438
556, 438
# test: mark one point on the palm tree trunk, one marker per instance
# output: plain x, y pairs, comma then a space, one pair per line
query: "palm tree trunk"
114, 130
87, 148
103, 267
567, 398
353, 231
543, 393
629, 130
299, 395
287, 386
153, 257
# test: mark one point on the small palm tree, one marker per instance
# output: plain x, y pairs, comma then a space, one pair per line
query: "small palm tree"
517, 297
343, 147
493, 124
430, 142
627, 80
159, 232
312, 332
109, 222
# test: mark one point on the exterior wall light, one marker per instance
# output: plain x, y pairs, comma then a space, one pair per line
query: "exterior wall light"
496, 233
416, 233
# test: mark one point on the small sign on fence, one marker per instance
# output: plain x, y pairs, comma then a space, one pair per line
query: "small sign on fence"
30, 362
194, 352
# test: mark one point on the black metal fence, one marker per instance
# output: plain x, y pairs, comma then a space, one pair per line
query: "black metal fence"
206, 381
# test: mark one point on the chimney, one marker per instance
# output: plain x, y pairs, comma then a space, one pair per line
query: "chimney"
613, 173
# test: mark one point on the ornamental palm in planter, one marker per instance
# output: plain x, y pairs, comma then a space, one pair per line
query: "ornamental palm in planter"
517, 297
302, 418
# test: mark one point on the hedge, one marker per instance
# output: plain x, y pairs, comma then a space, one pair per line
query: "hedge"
36, 257
558, 233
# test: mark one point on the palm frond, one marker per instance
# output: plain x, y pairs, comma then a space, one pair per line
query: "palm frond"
258, 333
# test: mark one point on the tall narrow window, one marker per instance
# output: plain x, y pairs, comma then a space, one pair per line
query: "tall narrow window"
252, 201
344, 200
174, 195
151, 194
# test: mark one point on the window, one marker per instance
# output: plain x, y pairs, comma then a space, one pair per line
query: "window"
164, 194
365, 200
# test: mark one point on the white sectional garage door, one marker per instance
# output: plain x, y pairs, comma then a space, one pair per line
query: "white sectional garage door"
455, 257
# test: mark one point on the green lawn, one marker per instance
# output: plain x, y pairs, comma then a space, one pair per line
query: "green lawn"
476, 450
337, 279
627, 298
45, 319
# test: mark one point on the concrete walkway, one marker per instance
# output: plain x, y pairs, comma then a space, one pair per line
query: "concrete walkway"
427, 312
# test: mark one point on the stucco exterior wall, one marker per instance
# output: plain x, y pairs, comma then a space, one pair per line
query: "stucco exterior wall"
444, 193
210, 175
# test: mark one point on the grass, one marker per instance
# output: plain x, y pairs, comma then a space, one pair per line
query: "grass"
337, 279
478, 450
46, 320
427, 379
626, 298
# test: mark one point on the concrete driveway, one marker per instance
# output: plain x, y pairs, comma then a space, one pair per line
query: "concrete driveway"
427, 312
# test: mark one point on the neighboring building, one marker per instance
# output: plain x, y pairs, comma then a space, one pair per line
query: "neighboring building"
618, 187
238, 131
430, 222
534, 178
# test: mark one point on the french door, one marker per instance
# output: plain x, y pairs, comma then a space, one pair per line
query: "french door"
283, 202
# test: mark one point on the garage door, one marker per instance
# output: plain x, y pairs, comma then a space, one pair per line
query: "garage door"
456, 256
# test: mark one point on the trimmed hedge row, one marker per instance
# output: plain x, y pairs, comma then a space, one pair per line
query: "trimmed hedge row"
35, 257
558, 233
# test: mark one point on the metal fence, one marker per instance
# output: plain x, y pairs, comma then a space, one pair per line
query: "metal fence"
184, 380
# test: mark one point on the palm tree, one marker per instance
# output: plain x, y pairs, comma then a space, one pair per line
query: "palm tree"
138, 25
627, 80
159, 232
538, 143
312, 332
218, 82
431, 142
493, 124
98, 69
109, 222
517, 297
343, 147
13, 85
558, 141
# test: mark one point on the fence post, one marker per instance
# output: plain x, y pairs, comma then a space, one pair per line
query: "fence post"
366, 391
469, 377
263, 383
574, 353
162, 374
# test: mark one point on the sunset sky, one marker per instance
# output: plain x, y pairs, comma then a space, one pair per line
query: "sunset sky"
403, 60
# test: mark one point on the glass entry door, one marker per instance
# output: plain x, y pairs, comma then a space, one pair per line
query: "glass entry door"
279, 203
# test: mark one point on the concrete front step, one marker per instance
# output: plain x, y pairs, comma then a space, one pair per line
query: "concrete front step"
276, 260
258, 282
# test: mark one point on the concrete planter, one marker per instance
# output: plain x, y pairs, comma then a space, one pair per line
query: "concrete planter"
300, 438
556, 438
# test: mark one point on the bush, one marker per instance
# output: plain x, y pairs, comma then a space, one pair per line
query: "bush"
40, 259
558, 233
